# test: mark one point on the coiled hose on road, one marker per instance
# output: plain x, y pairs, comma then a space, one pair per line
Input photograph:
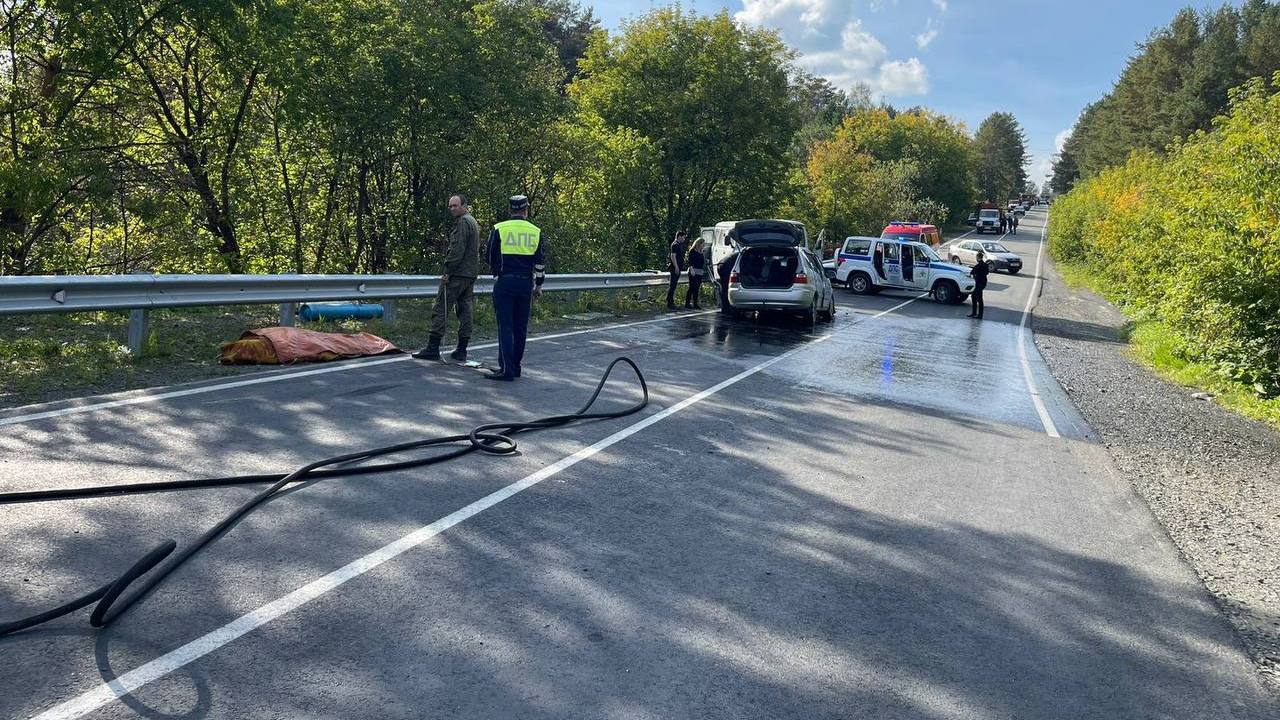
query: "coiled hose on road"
493, 438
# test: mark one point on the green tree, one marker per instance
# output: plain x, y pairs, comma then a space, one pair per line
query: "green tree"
1065, 172
710, 102
944, 155
1001, 149
1178, 82
65, 122
1260, 38
570, 29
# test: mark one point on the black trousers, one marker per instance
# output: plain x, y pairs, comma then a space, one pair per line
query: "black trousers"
671, 290
977, 301
512, 302
691, 295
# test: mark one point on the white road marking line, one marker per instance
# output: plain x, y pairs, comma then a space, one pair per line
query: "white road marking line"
175, 659
277, 377
1049, 428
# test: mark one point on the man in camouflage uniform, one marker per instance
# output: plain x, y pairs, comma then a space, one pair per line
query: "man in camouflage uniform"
457, 283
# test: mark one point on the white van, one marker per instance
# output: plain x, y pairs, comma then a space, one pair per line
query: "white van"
718, 243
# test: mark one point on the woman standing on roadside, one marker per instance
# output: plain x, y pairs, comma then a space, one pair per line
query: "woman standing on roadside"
697, 271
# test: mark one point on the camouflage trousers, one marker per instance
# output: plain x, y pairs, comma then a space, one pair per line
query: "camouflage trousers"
455, 295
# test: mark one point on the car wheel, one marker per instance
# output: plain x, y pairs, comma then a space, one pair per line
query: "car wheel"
991, 266
859, 284
1013, 271
955, 259
946, 292
810, 316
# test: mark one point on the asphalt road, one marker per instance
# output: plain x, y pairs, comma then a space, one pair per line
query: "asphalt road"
872, 519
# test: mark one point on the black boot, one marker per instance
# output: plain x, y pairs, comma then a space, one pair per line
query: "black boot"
459, 353
431, 351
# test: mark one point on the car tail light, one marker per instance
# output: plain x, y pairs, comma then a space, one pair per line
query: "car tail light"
733, 278
800, 279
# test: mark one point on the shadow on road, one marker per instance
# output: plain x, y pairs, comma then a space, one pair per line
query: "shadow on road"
724, 564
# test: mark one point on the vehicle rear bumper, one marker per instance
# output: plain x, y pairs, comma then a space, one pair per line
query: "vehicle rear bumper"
753, 299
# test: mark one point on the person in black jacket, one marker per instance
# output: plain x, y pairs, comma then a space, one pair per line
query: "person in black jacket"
697, 271
676, 264
979, 273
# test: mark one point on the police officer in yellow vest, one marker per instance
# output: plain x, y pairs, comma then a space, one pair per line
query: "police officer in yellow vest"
517, 259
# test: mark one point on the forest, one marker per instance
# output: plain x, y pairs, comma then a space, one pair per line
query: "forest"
317, 136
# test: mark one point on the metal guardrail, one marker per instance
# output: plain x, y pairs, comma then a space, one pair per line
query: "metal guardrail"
139, 293
76, 293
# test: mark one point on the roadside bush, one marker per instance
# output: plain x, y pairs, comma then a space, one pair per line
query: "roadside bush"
1192, 238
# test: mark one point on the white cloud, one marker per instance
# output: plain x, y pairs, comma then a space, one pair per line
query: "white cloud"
926, 37
1060, 140
903, 77
1041, 169
834, 44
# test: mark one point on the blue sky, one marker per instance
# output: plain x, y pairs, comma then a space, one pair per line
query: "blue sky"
1042, 61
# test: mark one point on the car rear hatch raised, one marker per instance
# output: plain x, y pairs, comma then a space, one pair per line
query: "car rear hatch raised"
769, 232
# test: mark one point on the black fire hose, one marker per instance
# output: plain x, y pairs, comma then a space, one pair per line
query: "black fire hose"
493, 438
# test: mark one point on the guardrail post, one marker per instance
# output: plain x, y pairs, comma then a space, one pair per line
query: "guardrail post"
389, 312
138, 325
287, 312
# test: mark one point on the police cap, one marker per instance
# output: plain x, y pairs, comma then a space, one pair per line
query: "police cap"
519, 202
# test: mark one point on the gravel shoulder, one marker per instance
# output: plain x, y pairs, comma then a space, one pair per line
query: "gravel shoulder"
1212, 477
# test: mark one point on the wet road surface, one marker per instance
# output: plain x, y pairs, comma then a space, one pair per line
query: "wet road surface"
874, 525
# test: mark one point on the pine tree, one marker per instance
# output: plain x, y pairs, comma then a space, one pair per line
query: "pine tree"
1001, 148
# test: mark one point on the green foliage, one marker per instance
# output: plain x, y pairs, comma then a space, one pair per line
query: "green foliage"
1175, 85
1158, 346
1193, 238
1001, 150
312, 136
707, 113
880, 166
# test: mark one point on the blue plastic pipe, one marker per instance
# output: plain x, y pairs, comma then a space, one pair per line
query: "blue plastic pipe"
339, 311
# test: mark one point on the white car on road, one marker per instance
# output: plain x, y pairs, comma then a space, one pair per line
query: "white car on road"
869, 265
996, 256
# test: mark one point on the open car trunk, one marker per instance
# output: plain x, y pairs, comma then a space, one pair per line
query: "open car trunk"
768, 267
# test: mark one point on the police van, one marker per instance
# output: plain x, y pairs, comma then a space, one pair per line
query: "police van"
869, 265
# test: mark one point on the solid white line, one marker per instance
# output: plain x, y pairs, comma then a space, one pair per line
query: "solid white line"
155, 669
1049, 428
277, 377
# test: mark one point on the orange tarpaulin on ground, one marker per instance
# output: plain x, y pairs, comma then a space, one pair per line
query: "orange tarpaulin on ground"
284, 345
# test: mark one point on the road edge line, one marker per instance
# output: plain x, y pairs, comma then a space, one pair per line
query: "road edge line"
1050, 428
278, 377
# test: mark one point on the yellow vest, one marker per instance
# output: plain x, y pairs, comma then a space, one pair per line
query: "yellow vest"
519, 237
